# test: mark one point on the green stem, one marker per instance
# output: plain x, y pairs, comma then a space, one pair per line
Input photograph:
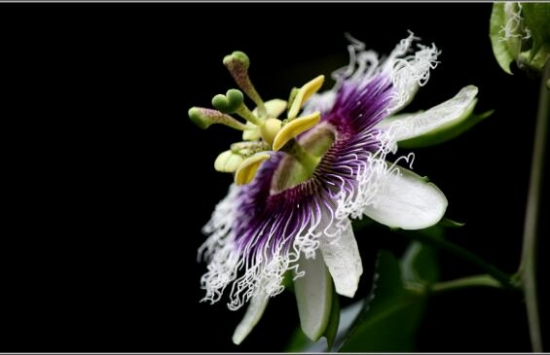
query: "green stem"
527, 268
464, 254
466, 282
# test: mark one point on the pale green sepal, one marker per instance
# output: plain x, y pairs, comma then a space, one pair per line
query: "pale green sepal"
438, 124
342, 257
447, 134
313, 296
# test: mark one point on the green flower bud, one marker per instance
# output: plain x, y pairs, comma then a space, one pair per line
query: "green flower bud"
520, 32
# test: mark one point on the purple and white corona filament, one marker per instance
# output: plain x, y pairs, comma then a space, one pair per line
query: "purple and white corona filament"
300, 180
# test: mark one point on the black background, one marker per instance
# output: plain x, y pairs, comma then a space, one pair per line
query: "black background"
110, 184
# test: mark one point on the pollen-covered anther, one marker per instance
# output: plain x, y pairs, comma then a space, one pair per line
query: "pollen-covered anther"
228, 162
248, 168
246, 149
294, 128
304, 93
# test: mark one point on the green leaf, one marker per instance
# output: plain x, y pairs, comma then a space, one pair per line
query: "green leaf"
299, 342
500, 47
390, 320
288, 281
360, 224
449, 223
334, 320
537, 20
420, 265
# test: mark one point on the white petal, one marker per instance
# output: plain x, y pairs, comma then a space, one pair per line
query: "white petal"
342, 259
253, 314
442, 116
313, 296
406, 200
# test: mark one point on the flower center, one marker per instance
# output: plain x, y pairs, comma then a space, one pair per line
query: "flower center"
314, 144
263, 131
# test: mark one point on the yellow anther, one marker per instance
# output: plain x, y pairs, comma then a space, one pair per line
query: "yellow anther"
252, 132
248, 168
228, 162
310, 88
294, 128
273, 107
270, 129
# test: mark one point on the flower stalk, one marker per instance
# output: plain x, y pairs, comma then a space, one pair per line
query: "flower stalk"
466, 282
527, 268
502, 277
